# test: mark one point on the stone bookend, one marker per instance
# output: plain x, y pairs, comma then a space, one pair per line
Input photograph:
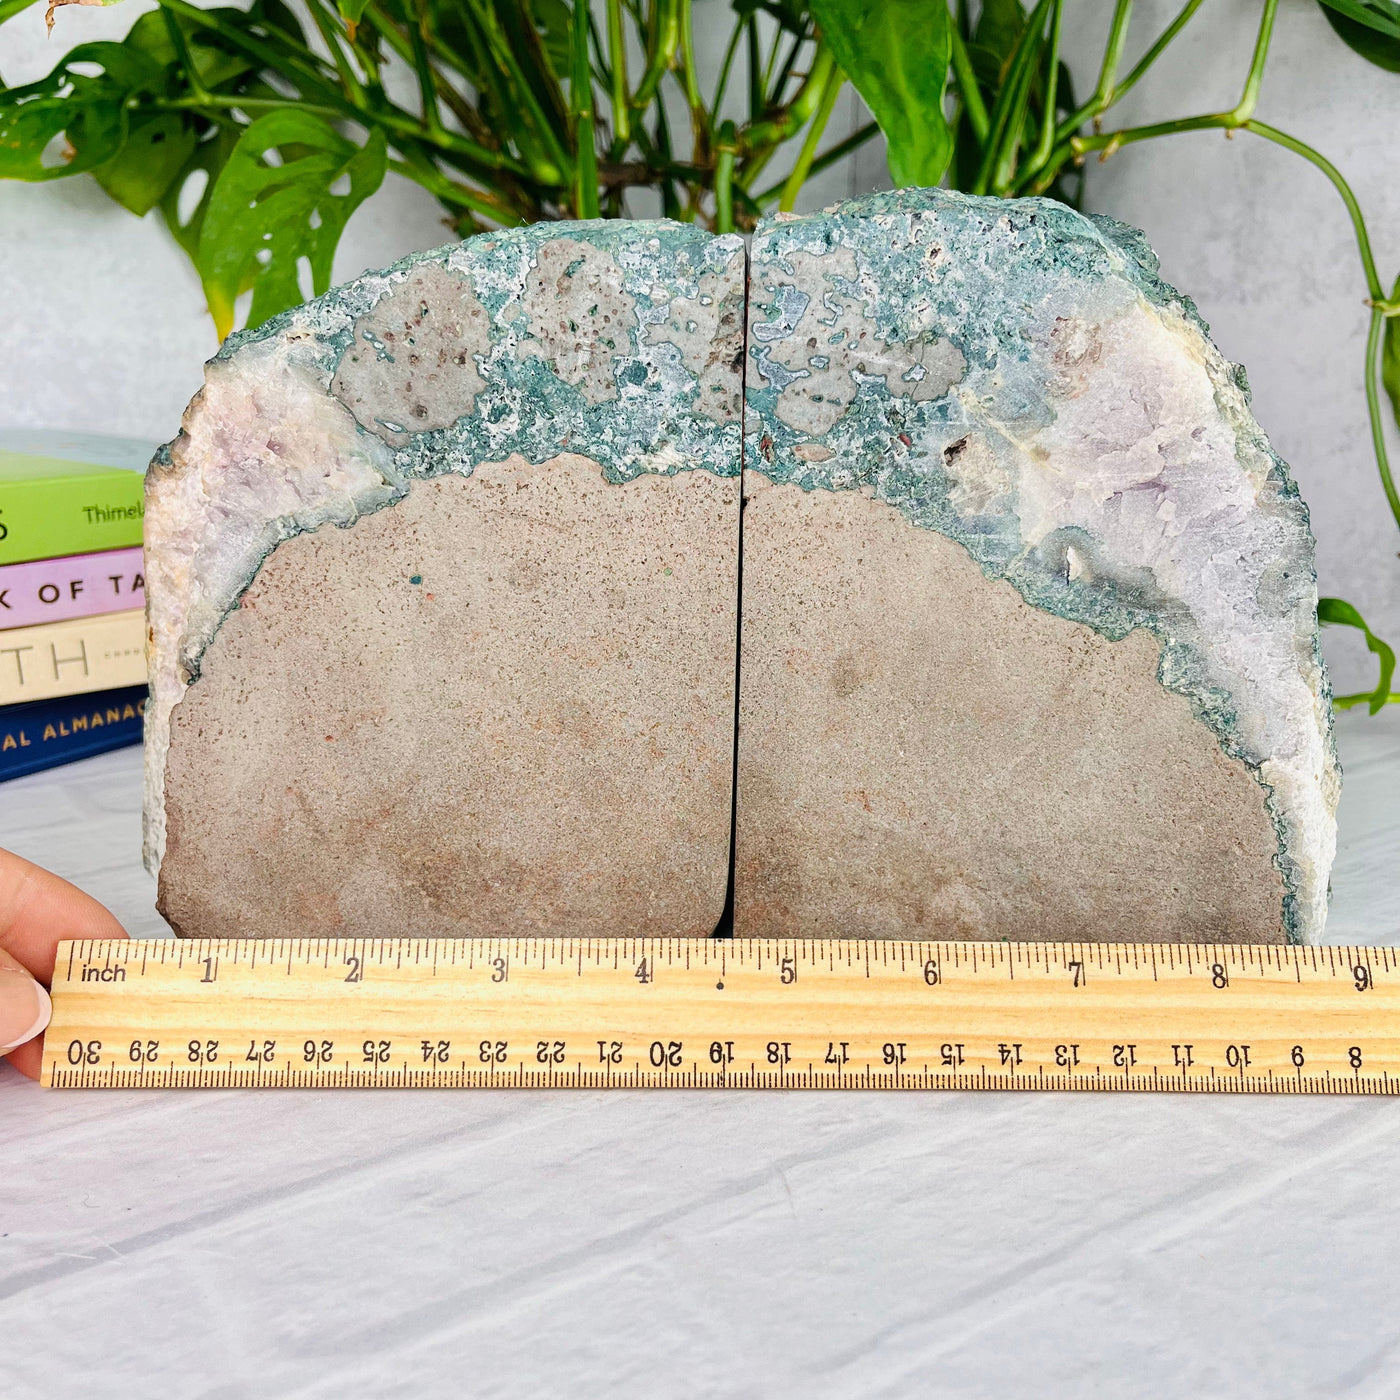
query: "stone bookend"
443, 599
1029, 610
444, 570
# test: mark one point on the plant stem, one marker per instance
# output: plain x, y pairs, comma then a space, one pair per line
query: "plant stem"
449, 192
670, 204
775, 93
758, 77
968, 89
553, 166
1254, 79
1113, 50
458, 106
487, 80
427, 96
722, 82
602, 72
367, 56
1358, 220
1238, 116
277, 58
182, 54
1108, 70
726, 148
699, 118
1003, 133
1052, 79
665, 38
217, 102
826, 159
1155, 52
581, 111
1347, 702
331, 36
762, 137
526, 46
1040, 175
766, 85
802, 169
1373, 286
1103, 97
1373, 409
394, 121
620, 100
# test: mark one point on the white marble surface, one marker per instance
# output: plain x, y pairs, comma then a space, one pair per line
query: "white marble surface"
230, 1245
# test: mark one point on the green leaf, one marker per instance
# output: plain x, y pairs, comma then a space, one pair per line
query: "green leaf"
896, 54
1382, 16
264, 214
204, 165
10, 8
157, 146
790, 15
352, 10
88, 110
998, 31
1390, 355
214, 65
554, 21
1336, 612
1370, 27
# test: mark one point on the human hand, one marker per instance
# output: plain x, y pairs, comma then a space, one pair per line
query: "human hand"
37, 910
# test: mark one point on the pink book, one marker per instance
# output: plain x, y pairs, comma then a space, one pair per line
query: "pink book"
78, 585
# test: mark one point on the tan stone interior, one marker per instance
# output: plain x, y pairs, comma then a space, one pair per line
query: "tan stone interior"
535, 737
923, 753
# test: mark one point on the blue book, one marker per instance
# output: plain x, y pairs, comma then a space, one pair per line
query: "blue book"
45, 733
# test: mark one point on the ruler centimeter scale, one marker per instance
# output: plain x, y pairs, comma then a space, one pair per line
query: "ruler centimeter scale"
815, 1013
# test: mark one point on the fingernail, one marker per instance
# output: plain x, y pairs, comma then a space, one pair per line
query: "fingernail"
25, 1009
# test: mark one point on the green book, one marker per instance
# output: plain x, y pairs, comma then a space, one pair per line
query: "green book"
52, 506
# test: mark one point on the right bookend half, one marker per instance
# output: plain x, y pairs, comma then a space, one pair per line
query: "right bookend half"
1029, 638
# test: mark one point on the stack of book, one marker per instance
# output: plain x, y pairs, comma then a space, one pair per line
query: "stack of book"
72, 609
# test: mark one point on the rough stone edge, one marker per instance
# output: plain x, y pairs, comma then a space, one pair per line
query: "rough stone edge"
524, 409
769, 447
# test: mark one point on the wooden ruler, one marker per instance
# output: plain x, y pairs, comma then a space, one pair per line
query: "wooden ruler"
817, 1013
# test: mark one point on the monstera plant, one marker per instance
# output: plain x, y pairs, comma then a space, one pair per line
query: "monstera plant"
258, 131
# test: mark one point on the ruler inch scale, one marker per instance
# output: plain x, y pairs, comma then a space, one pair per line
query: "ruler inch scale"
660, 1012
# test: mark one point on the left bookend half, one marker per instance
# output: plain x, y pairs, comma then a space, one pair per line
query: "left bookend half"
72, 597
443, 574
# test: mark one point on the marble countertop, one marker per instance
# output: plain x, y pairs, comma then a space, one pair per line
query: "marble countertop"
230, 1244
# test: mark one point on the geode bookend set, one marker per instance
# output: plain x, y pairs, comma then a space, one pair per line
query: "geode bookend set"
453, 612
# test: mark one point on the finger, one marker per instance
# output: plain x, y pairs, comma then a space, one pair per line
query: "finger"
28, 1059
38, 910
24, 1012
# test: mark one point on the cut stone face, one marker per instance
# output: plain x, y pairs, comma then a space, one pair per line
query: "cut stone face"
443, 575
443, 580
1029, 608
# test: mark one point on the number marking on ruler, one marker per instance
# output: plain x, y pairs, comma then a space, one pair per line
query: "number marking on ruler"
816, 1013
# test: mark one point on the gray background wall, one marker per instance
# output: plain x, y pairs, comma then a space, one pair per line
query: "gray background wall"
103, 328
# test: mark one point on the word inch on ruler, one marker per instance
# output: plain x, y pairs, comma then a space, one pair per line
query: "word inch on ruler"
818, 1013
